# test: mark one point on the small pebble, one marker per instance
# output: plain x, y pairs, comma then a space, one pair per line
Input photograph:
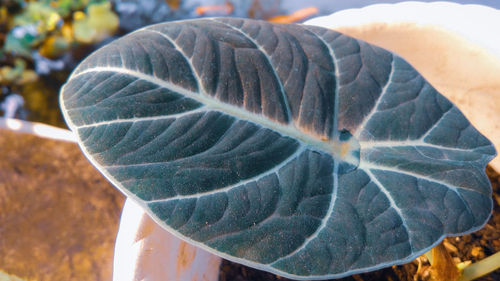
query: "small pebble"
476, 251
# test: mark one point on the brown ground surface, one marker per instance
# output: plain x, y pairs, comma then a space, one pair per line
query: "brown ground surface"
471, 247
58, 215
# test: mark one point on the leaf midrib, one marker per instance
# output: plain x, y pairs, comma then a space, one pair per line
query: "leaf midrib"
331, 147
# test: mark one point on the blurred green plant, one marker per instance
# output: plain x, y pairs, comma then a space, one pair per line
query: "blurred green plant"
34, 33
18, 74
44, 37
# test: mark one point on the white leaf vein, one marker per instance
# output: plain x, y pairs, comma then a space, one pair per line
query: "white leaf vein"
393, 204
373, 166
188, 60
333, 199
365, 165
367, 118
411, 143
142, 119
268, 58
324, 221
287, 130
335, 62
225, 189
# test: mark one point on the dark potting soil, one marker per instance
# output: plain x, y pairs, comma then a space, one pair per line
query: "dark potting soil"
471, 247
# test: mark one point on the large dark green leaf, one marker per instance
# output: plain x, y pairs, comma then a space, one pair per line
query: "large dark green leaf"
289, 148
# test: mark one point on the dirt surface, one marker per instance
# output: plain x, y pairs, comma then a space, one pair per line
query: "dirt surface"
472, 247
58, 215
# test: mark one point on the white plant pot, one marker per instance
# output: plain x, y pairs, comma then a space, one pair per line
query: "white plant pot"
145, 251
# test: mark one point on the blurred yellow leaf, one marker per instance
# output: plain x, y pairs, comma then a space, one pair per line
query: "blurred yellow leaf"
54, 46
17, 74
28, 76
42, 15
52, 21
79, 15
99, 23
3, 14
67, 32
4, 74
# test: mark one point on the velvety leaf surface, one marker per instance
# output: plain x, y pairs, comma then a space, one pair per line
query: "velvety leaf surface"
293, 149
